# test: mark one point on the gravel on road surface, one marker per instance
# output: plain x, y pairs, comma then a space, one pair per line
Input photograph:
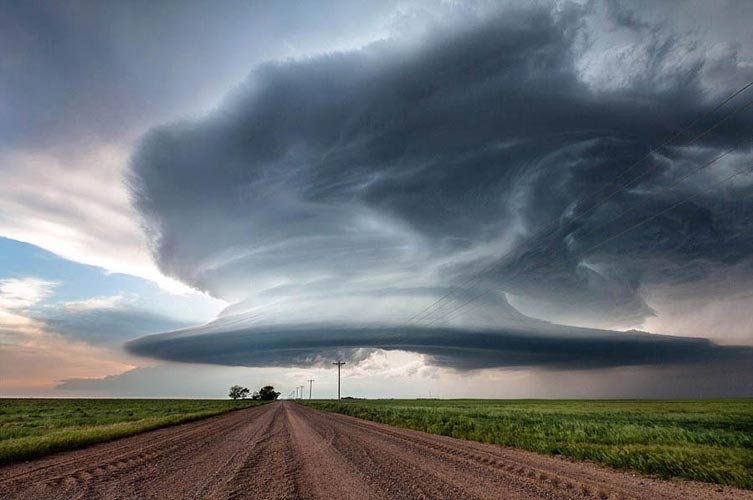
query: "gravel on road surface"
286, 451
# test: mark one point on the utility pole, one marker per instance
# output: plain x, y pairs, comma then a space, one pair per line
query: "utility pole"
301, 391
339, 364
296, 392
311, 381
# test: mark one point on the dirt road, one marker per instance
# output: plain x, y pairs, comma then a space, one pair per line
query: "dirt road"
283, 450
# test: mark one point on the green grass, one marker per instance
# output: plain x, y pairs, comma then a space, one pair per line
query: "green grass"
30, 428
704, 440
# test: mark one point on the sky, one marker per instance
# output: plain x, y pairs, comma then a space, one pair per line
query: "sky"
458, 198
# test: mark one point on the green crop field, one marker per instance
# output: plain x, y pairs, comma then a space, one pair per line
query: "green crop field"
33, 427
705, 440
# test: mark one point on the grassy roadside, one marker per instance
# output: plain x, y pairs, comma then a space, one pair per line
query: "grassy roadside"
703, 440
30, 428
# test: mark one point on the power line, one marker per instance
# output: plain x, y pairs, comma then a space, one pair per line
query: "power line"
652, 217
428, 310
688, 127
673, 184
339, 364
622, 187
690, 142
450, 313
594, 247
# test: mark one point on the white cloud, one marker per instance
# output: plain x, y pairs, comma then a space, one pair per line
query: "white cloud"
105, 302
394, 364
20, 293
78, 207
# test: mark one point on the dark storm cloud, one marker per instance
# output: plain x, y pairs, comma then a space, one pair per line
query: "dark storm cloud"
476, 154
551, 347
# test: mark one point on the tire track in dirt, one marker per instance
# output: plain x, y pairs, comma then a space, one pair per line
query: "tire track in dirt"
521, 474
108, 470
419, 472
286, 451
113, 455
488, 466
326, 472
271, 466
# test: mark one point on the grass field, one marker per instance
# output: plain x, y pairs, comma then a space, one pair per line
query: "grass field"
705, 440
30, 428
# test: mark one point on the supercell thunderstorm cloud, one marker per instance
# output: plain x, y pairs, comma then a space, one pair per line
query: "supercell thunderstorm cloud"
487, 196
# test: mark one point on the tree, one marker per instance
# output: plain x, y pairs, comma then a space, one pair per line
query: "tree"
238, 392
268, 393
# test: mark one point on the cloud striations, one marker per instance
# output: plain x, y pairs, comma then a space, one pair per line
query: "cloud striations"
332, 199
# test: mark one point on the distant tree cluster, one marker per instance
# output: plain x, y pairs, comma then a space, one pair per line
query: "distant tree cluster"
238, 392
266, 393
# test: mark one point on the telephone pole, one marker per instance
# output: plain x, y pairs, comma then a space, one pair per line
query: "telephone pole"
339, 364
311, 381
301, 391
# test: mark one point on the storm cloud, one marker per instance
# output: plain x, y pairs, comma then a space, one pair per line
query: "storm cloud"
552, 347
333, 199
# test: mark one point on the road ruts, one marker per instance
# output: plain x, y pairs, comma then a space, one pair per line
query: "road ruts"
286, 451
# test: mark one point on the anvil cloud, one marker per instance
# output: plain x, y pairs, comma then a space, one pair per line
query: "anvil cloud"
457, 194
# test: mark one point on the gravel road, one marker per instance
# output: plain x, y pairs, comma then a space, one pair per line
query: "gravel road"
284, 450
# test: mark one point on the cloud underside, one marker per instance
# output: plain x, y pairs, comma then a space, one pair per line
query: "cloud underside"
463, 349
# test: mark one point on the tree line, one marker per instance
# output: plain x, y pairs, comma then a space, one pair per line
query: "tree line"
266, 393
